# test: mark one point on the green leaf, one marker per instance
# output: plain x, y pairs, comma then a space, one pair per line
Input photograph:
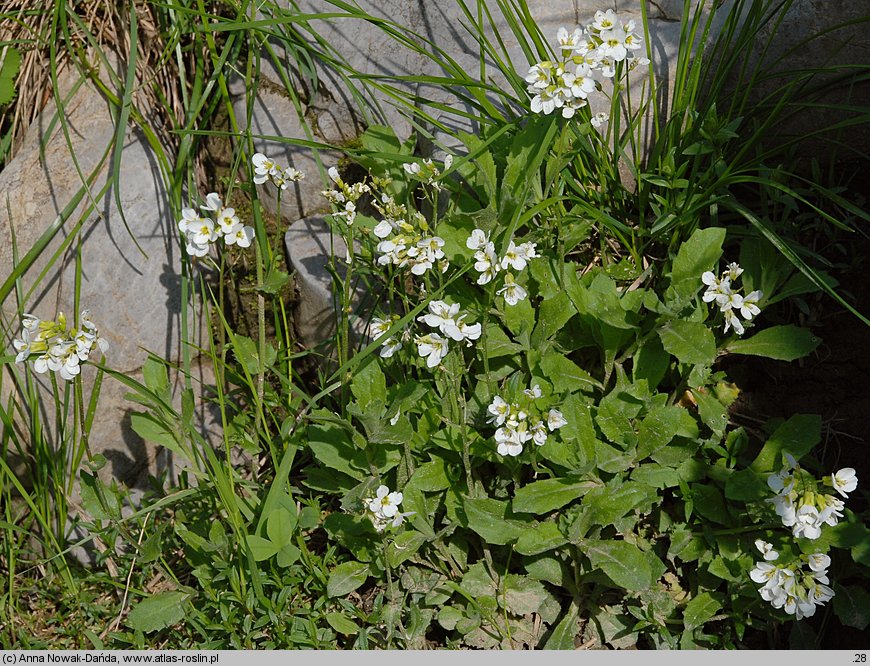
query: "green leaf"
549, 494
710, 504
342, 624
700, 609
543, 537
247, 354
697, 255
553, 314
346, 577
331, 445
658, 428
91, 498
607, 504
287, 555
745, 485
562, 636
11, 64
852, 605
261, 549
156, 376
369, 386
152, 430
523, 595
689, 341
280, 525
498, 344
564, 374
797, 436
274, 282
489, 518
158, 612
624, 563
431, 477
783, 343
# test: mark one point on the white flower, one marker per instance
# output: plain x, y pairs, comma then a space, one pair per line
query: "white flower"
487, 264
734, 271
512, 292
749, 308
203, 233
213, 202
241, 236
228, 221
384, 228
782, 482
808, 523
433, 348
513, 258
844, 481
440, 315
603, 20
555, 420
819, 562
717, 288
599, 119
459, 330
499, 410
509, 442
385, 503
765, 573
477, 240
534, 392
732, 321
766, 549
539, 433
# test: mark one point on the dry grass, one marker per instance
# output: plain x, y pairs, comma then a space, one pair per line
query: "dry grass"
77, 28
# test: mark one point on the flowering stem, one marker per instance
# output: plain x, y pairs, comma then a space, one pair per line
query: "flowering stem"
261, 326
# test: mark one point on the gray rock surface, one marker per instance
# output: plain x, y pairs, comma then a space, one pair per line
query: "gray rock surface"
134, 296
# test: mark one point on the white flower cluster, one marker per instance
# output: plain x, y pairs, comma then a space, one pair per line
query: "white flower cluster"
383, 509
266, 169
427, 172
799, 505
344, 196
405, 239
518, 423
721, 290
792, 588
56, 347
446, 318
489, 265
567, 83
200, 231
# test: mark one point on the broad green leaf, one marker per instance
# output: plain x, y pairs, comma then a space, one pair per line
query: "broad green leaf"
274, 282
404, 546
287, 555
369, 386
543, 537
431, 476
91, 498
606, 504
261, 549
624, 563
331, 445
563, 634
796, 436
710, 504
747, 486
523, 595
498, 344
158, 612
489, 518
156, 377
280, 525
346, 577
783, 343
342, 624
615, 414
852, 605
152, 430
565, 375
553, 314
651, 362
697, 255
689, 341
247, 353
700, 609
549, 494
655, 475
658, 428
449, 616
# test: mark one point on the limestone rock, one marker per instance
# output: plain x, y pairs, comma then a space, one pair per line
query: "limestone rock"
133, 293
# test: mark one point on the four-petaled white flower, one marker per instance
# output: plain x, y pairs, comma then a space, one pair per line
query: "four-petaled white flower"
383, 508
512, 292
766, 550
432, 347
844, 481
